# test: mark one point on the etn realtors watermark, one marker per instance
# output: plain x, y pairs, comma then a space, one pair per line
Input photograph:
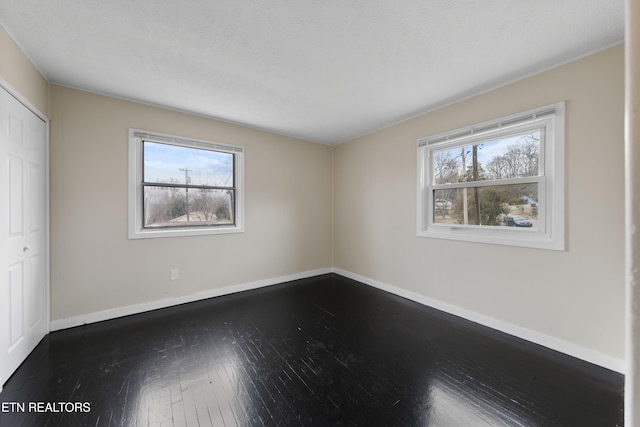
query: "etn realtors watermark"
44, 407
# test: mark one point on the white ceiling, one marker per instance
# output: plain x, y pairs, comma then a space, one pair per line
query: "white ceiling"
322, 70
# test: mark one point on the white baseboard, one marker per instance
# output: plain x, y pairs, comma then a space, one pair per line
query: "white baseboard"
548, 341
114, 313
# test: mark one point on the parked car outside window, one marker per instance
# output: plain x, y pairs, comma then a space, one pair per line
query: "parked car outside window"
518, 221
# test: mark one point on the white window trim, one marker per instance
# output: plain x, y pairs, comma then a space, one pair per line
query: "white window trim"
136, 229
551, 211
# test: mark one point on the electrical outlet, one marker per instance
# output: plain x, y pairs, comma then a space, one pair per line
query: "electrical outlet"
175, 274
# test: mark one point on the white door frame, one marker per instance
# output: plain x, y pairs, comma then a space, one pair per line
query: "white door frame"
47, 247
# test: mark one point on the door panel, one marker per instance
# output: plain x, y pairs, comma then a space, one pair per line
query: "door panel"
34, 300
37, 207
16, 285
15, 196
14, 132
23, 255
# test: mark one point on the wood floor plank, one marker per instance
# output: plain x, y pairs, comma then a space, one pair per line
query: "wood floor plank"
315, 352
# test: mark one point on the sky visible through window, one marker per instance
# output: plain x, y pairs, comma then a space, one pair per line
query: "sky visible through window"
498, 147
488, 151
166, 163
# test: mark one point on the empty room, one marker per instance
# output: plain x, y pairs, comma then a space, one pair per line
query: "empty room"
306, 213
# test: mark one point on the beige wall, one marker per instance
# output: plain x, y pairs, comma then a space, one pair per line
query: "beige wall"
578, 295
17, 70
94, 266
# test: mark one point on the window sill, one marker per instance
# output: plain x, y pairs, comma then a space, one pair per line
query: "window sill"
506, 236
183, 232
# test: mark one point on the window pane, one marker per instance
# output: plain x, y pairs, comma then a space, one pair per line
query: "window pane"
181, 207
500, 205
174, 164
502, 158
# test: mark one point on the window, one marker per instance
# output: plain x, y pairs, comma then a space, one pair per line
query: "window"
496, 182
183, 187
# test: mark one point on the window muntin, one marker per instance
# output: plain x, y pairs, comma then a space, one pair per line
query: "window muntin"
512, 166
183, 187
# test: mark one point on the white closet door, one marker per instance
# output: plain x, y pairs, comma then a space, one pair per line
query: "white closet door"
23, 311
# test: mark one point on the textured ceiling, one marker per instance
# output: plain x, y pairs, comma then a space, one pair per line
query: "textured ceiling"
323, 70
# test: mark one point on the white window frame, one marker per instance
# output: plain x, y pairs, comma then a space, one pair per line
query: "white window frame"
135, 211
550, 233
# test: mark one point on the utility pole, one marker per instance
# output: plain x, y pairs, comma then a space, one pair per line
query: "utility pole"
475, 189
186, 181
465, 212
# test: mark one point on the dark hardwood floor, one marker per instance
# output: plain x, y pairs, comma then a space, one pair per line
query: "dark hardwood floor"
324, 351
